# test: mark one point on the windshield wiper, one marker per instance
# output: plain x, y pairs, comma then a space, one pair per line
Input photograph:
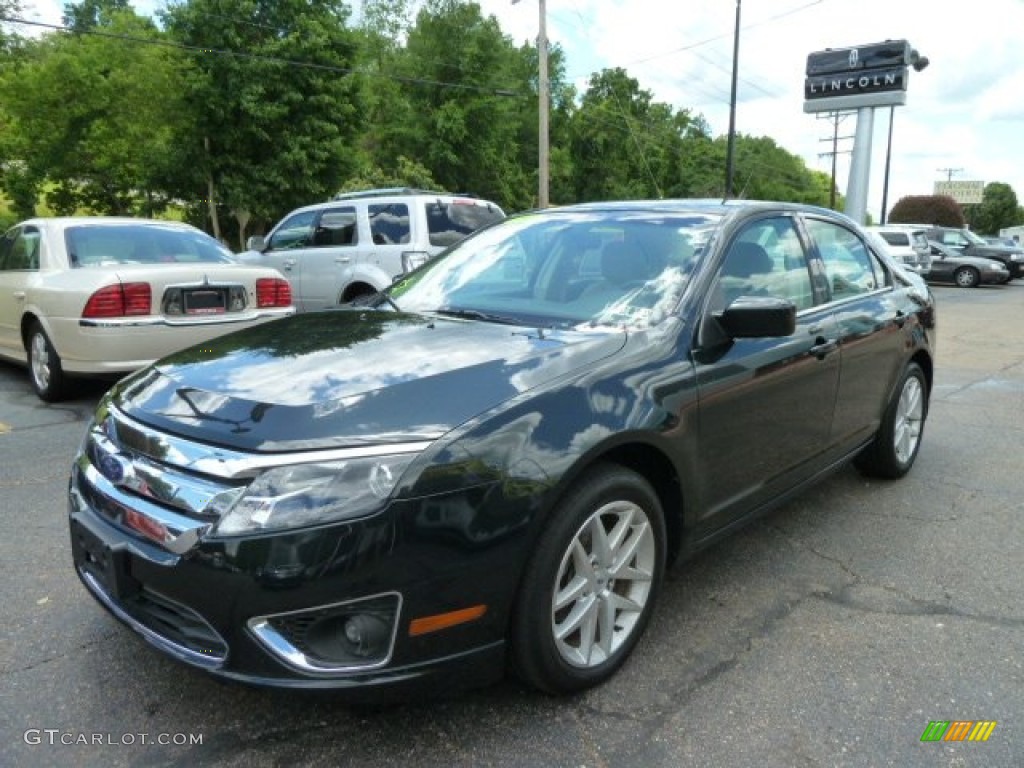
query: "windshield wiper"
476, 314
374, 300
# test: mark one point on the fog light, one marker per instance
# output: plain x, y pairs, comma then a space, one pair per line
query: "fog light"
333, 638
366, 633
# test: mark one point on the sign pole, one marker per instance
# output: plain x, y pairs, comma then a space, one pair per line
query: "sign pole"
860, 166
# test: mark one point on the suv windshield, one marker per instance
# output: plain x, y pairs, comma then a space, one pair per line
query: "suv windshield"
564, 269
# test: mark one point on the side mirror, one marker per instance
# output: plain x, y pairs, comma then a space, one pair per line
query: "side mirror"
756, 317
256, 243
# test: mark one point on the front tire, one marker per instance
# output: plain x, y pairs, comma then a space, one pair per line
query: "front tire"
895, 447
591, 584
967, 277
44, 366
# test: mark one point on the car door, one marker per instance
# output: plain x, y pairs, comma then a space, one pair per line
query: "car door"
313, 249
19, 263
943, 264
870, 315
764, 405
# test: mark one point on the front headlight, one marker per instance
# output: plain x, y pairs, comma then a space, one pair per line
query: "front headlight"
309, 494
996, 265
1017, 257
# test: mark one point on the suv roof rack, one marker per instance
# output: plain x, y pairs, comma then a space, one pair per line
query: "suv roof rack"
386, 192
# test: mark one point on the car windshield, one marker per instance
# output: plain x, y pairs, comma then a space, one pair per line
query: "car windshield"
974, 238
563, 269
97, 246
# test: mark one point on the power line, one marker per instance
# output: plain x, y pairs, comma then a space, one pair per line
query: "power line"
273, 59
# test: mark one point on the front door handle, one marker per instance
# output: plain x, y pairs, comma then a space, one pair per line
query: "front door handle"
19, 295
342, 260
824, 347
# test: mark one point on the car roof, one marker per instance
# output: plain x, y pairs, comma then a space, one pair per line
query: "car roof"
397, 193
701, 205
63, 222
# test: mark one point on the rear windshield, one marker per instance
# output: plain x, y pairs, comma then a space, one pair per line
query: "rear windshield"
450, 222
895, 238
92, 246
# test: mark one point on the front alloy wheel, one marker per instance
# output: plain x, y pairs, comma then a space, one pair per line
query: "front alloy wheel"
590, 587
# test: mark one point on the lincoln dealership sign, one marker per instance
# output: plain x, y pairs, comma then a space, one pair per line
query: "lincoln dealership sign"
863, 76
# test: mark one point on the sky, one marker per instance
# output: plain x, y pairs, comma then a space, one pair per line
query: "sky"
964, 116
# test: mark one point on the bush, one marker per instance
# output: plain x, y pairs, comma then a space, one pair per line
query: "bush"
937, 210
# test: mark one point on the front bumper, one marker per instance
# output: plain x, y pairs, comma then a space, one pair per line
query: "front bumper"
199, 607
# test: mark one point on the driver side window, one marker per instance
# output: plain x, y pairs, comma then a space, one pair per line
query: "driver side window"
766, 259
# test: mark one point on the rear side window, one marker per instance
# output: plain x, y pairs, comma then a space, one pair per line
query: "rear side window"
851, 268
450, 222
389, 223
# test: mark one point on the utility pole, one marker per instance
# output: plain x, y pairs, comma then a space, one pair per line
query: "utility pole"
949, 172
836, 118
731, 146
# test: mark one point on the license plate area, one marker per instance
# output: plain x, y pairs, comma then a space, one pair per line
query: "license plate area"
205, 301
110, 567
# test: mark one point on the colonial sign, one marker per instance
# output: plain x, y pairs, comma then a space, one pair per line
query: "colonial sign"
964, 192
862, 76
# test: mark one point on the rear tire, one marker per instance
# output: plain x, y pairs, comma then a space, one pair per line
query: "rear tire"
44, 366
895, 447
590, 587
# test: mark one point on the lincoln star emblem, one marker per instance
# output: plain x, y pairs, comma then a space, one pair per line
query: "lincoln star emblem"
853, 58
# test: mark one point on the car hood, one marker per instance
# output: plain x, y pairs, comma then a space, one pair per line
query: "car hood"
349, 378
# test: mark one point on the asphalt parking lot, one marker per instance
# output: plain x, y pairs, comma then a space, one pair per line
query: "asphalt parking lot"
830, 633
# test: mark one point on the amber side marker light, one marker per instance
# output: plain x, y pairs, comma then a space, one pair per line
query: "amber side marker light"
428, 624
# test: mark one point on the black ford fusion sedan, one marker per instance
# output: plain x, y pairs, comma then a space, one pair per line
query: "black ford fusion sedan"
491, 465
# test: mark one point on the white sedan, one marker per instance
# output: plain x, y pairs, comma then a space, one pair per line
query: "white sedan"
96, 295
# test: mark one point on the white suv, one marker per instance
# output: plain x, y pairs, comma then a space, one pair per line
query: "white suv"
357, 243
908, 244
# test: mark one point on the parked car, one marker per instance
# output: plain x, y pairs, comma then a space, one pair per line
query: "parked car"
971, 244
951, 266
1006, 242
98, 296
907, 245
499, 458
357, 244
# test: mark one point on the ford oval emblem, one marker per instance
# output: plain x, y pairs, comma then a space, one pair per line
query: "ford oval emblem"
114, 468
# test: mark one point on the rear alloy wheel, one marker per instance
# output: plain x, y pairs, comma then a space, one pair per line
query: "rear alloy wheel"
897, 441
44, 368
967, 277
590, 587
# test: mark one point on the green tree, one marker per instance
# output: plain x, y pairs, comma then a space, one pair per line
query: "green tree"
998, 209
462, 114
91, 117
274, 102
623, 143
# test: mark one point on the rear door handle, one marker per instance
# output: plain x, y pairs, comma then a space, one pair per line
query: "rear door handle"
19, 295
900, 318
342, 260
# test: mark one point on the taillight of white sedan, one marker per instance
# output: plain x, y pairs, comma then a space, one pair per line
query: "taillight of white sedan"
88, 296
